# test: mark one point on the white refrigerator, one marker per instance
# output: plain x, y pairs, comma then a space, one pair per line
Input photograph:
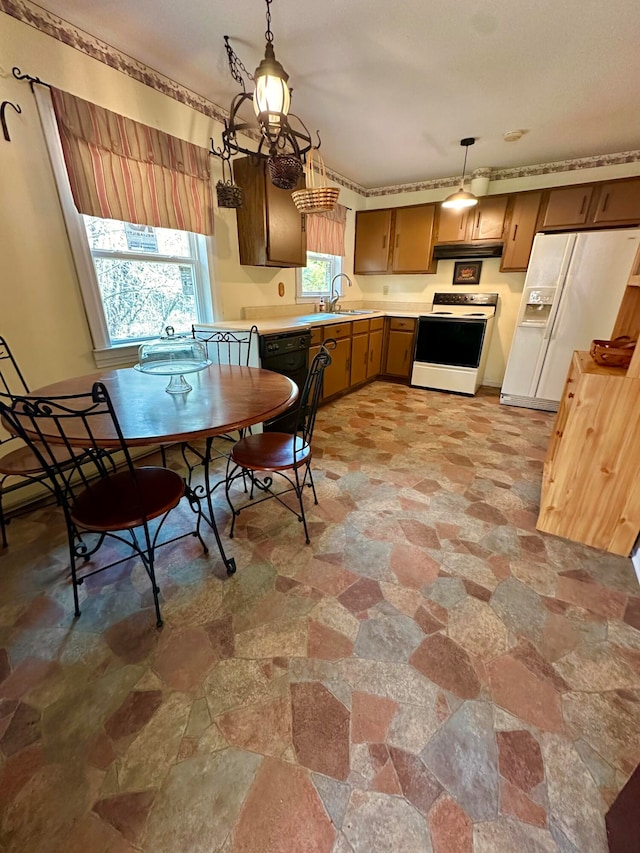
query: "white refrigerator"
572, 292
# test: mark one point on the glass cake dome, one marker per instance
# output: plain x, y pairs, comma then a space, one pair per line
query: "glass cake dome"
173, 355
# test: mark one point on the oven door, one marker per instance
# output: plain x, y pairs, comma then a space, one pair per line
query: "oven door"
454, 341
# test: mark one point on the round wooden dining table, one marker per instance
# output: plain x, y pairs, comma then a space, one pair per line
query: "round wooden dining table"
222, 398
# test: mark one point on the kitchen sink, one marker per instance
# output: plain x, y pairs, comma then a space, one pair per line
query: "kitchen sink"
356, 311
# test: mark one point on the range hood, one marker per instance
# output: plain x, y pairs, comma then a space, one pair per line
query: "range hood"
466, 251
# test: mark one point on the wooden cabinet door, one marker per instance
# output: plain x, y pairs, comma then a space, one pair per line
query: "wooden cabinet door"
452, 225
359, 358
519, 239
399, 354
337, 375
286, 234
374, 364
373, 232
413, 239
567, 206
619, 202
486, 219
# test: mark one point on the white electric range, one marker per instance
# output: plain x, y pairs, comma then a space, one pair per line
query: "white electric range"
453, 342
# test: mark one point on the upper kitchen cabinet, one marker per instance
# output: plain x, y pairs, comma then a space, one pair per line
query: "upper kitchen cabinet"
271, 231
485, 221
395, 241
522, 217
373, 238
618, 203
593, 205
568, 207
413, 239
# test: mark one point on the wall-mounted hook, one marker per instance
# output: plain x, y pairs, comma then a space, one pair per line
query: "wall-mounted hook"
3, 120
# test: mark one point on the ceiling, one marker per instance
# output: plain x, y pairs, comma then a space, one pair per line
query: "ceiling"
394, 87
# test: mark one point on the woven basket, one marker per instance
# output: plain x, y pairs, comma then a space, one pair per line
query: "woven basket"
315, 199
285, 170
615, 353
229, 195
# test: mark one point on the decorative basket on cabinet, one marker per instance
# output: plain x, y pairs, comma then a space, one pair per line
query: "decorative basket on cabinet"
615, 353
315, 199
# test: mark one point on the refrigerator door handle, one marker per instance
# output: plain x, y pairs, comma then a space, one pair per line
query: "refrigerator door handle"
562, 281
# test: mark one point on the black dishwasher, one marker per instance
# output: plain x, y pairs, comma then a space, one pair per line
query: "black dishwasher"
286, 353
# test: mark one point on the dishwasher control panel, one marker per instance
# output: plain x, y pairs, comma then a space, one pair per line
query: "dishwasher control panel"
279, 344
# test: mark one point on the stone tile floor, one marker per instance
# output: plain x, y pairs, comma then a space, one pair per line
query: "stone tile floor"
430, 674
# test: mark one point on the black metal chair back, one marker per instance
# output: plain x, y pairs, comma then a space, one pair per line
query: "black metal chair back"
311, 394
65, 426
227, 347
11, 379
97, 498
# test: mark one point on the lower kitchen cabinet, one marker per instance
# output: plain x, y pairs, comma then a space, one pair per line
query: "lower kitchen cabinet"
374, 364
359, 354
337, 377
399, 347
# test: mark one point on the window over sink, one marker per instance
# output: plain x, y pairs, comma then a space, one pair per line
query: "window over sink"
313, 282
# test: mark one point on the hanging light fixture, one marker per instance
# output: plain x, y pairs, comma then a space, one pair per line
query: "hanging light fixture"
278, 138
462, 199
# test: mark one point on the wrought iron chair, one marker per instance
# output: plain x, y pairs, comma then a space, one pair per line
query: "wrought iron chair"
256, 457
97, 500
222, 348
19, 465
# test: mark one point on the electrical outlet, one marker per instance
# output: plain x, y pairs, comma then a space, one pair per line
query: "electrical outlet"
385, 289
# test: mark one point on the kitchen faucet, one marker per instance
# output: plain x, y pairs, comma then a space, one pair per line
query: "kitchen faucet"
333, 301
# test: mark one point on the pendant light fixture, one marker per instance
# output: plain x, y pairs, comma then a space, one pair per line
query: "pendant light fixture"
281, 135
462, 199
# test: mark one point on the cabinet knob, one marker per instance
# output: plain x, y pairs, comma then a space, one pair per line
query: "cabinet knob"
584, 204
606, 202
515, 231
384, 241
397, 240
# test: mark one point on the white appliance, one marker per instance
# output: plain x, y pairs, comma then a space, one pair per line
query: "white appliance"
453, 342
572, 292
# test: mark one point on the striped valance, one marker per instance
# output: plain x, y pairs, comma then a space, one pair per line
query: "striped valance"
325, 231
121, 169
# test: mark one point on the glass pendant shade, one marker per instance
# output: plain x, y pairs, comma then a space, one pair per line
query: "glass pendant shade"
460, 200
271, 98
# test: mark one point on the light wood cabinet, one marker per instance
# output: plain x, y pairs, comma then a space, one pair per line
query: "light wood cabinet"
359, 357
398, 353
271, 231
374, 365
568, 207
609, 203
484, 221
592, 466
413, 239
522, 218
337, 376
373, 237
395, 240
618, 203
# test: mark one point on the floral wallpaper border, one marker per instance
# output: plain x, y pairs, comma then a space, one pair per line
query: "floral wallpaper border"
33, 15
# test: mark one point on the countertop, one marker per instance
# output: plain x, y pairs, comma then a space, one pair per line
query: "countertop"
306, 321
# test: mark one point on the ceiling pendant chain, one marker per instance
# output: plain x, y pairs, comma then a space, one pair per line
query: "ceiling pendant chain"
269, 35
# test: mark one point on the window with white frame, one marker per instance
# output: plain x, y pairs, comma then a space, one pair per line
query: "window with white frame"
313, 282
134, 279
147, 278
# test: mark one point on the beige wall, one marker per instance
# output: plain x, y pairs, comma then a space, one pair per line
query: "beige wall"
41, 310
